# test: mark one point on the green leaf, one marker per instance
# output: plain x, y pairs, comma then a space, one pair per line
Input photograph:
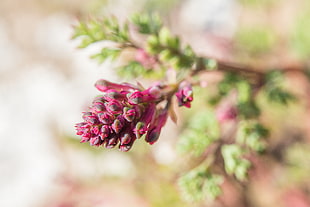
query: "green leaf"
107, 53
93, 31
244, 91
253, 135
201, 132
274, 90
164, 36
234, 161
200, 184
147, 23
248, 110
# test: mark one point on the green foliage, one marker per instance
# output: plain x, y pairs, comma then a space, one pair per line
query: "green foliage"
134, 69
247, 107
95, 31
307, 73
297, 159
106, 53
274, 90
210, 64
147, 23
99, 30
252, 134
300, 34
234, 161
256, 40
201, 132
200, 184
229, 82
169, 49
258, 3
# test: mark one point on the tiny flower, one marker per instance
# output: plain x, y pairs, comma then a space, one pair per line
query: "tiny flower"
185, 95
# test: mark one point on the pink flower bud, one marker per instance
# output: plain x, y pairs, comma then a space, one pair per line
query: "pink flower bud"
118, 124
155, 127
129, 114
135, 97
185, 95
105, 131
96, 141
114, 107
104, 85
105, 118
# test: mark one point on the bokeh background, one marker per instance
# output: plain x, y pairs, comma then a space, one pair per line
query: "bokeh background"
45, 83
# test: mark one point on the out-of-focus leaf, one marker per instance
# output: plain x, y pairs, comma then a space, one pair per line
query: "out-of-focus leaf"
202, 130
107, 53
234, 161
200, 184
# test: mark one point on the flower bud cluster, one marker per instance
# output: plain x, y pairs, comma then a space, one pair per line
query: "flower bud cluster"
123, 114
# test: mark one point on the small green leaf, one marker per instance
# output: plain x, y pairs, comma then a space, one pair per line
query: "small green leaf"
107, 53
234, 161
147, 23
201, 132
200, 184
164, 36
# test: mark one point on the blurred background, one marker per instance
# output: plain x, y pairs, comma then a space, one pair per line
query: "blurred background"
45, 83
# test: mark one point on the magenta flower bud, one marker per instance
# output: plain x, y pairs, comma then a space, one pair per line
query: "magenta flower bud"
152, 135
84, 139
139, 129
105, 118
98, 107
125, 139
129, 114
96, 141
185, 95
87, 114
114, 95
111, 142
156, 126
91, 119
118, 124
99, 99
125, 148
135, 97
104, 85
139, 109
114, 107
95, 130
105, 131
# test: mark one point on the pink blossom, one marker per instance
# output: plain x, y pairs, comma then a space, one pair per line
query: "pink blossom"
122, 114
